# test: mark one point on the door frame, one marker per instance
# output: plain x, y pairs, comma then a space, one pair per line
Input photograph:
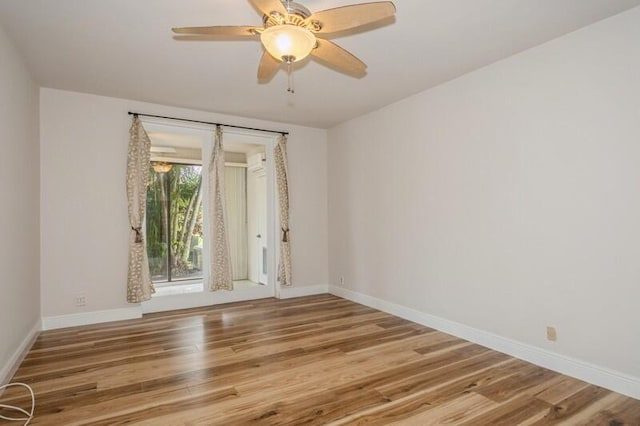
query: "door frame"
206, 297
257, 180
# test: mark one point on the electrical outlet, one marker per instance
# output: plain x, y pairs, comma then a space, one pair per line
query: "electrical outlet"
341, 281
81, 300
552, 335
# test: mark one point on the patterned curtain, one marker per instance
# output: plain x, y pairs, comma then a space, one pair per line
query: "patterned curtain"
220, 261
282, 176
139, 285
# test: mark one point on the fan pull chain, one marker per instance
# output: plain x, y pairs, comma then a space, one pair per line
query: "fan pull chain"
290, 77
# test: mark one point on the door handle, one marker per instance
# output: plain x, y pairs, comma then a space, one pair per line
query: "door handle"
258, 236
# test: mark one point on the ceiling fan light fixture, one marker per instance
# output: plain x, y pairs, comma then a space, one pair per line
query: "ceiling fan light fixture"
288, 42
290, 32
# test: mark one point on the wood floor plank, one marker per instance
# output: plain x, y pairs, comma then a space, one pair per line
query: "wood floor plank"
432, 394
558, 389
318, 360
573, 404
511, 412
520, 382
619, 412
157, 411
451, 412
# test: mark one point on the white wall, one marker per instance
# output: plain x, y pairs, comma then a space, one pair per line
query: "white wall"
84, 216
507, 199
19, 216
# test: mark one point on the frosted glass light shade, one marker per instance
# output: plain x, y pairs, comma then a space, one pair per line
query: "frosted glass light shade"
288, 41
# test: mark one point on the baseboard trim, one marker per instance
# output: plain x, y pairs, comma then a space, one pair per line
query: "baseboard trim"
311, 290
88, 318
10, 368
604, 377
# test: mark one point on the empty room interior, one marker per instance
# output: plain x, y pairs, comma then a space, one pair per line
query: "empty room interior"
320, 212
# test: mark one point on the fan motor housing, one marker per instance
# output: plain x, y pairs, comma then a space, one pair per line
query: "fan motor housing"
296, 9
297, 14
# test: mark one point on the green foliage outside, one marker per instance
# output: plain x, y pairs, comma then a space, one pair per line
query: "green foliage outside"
174, 223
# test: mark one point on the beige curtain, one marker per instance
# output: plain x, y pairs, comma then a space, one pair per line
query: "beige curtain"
220, 277
282, 176
139, 285
235, 180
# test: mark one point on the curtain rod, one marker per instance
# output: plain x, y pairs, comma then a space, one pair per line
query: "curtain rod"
208, 122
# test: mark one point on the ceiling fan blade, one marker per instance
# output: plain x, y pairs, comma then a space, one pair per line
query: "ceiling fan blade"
268, 6
353, 16
268, 67
239, 31
336, 57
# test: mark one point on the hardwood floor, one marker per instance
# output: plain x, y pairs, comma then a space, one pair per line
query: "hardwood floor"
311, 360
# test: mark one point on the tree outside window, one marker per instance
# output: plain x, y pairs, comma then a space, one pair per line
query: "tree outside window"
174, 223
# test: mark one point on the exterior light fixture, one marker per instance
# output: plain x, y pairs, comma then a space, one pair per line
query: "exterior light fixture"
161, 167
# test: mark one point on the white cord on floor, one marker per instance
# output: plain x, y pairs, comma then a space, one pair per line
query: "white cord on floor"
29, 415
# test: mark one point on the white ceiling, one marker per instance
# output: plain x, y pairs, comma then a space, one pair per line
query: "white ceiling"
124, 48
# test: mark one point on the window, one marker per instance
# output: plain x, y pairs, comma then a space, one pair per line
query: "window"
174, 222
175, 207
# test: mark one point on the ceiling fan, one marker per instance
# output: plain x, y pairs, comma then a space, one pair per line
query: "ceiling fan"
290, 33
